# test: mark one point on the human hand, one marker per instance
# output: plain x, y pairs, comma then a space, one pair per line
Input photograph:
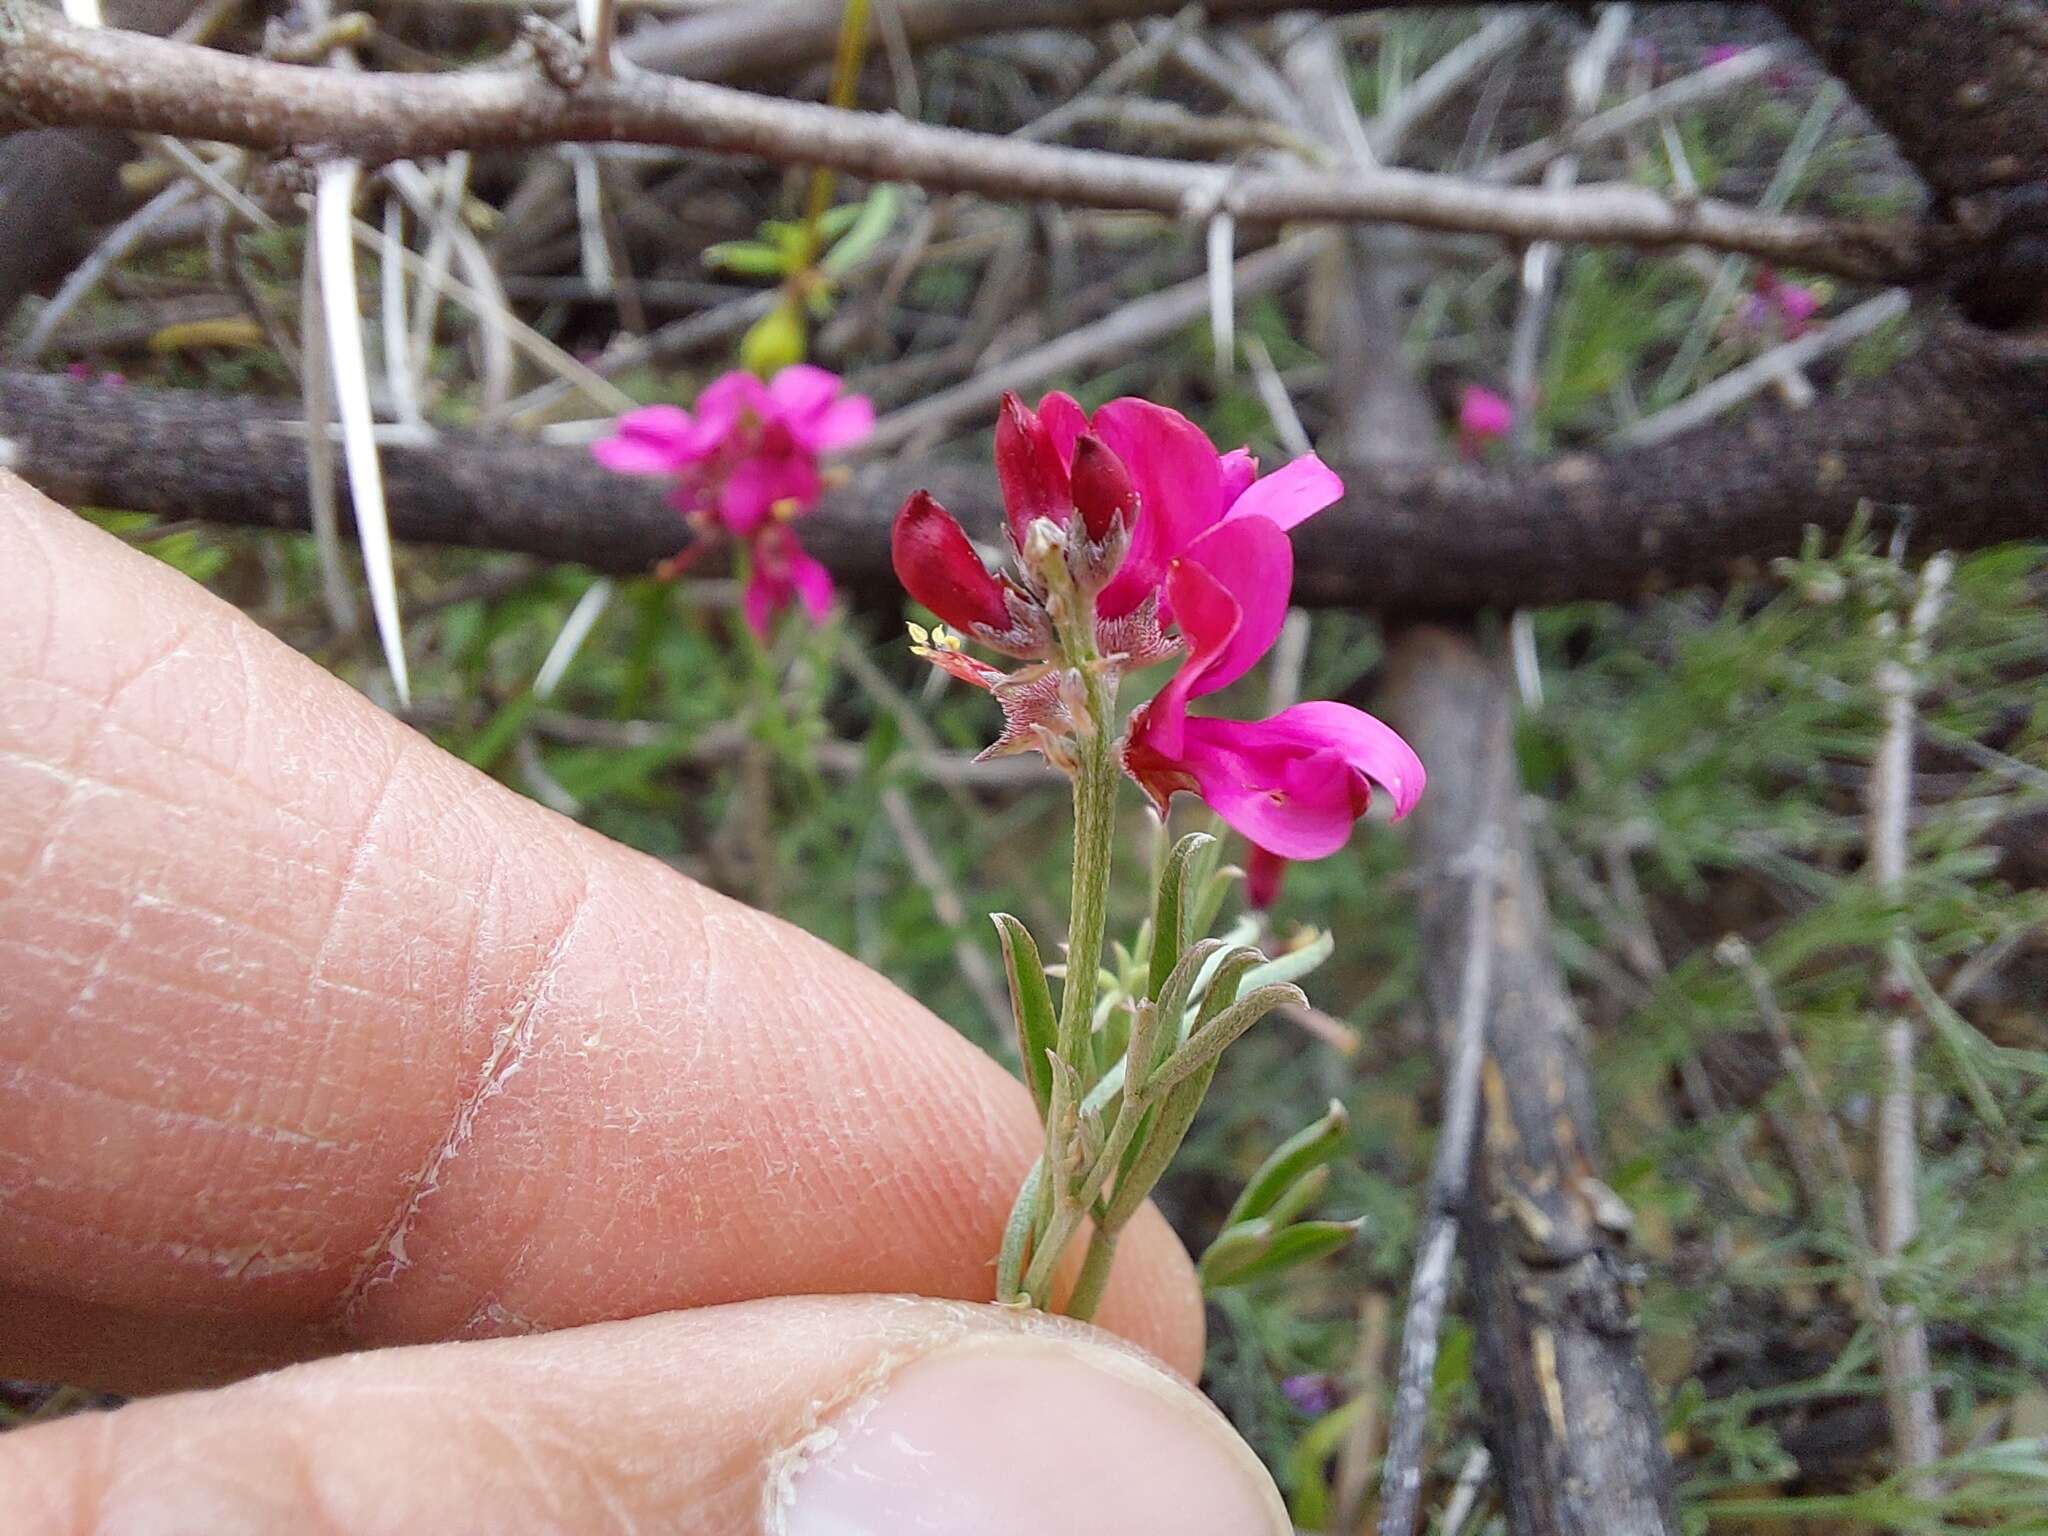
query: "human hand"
313, 1040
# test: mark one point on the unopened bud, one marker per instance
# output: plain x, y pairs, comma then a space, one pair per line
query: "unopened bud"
1042, 540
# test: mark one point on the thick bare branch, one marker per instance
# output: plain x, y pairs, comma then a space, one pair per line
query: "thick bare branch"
54, 73
1949, 444
1570, 1421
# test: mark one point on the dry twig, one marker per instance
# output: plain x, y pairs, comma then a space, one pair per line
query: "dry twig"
57, 73
1909, 1391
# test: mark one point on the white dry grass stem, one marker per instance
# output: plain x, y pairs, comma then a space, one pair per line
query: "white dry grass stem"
333, 229
575, 630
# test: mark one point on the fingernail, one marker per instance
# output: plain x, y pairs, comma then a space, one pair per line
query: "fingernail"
1022, 1436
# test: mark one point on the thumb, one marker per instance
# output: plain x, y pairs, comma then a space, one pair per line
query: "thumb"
806, 1416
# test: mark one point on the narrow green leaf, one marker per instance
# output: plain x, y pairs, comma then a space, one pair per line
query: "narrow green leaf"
1210, 889
1143, 1043
1236, 1245
835, 220
865, 234
1031, 1006
1306, 1149
1172, 1004
1169, 908
776, 340
1106, 1088
1017, 1233
1243, 933
1303, 1243
492, 742
1166, 1124
1212, 1039
1296, 963
1308, 1498
787, 236
1296, 1198
746, 258
1966, 1047
1110, 1038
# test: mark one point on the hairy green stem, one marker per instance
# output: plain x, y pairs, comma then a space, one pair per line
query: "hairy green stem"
1095, 788
1094, 1278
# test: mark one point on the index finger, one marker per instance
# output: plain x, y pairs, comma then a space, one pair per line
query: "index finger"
312, 1036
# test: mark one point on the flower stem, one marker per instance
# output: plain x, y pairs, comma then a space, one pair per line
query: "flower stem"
1094, 1277
846, 63
1095, 788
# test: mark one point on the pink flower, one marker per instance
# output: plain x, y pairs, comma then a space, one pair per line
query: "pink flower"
1483, 417
1135, 470
1772, 301
1797, 305
85, 374
783, 572
745, 463
1207, 555
1292, 784
1721, 53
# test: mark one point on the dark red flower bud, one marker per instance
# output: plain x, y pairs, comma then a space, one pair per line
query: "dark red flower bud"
1103, 492
938, 566
1265, 872
1033, 479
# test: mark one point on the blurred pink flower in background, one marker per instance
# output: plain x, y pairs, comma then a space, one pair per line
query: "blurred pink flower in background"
1483, 417
745, 463
1774, 305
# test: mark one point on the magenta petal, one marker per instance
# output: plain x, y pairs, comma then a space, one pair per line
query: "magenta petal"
1239, 469
845, 422
812, 581
1102, 489
760, 601
1065, 421
1296, 805
1180, 491
755, 487
1293, 784
1368, 744
721, 405
802, 391
1209, 617
1291, 494
654, 440
1254, 562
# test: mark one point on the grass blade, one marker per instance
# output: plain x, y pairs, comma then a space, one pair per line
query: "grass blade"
334, 239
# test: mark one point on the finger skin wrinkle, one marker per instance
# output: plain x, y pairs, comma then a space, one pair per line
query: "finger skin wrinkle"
511, 1047
363, 845
82, 787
